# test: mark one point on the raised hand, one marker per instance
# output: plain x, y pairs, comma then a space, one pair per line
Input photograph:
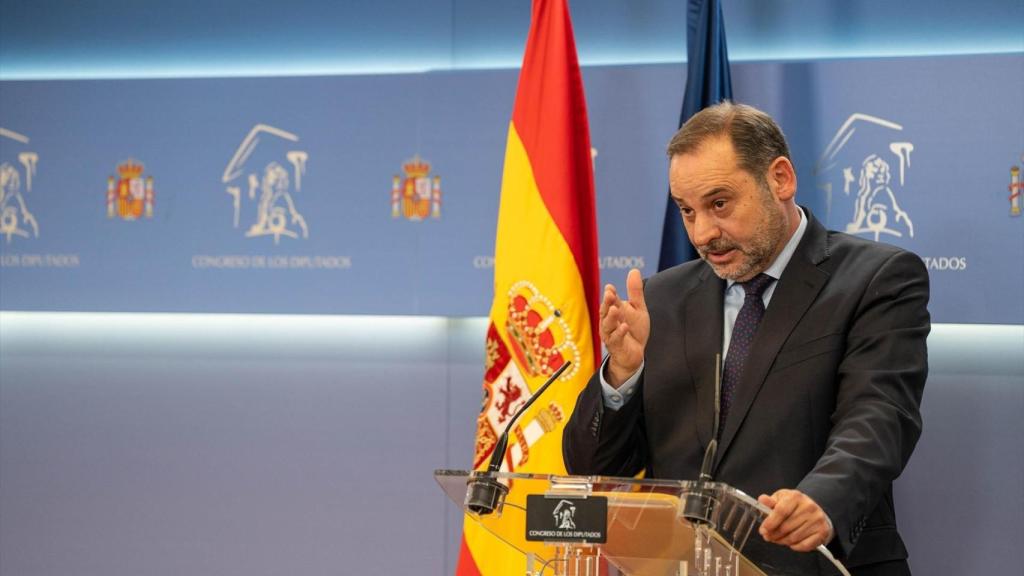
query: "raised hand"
625, 327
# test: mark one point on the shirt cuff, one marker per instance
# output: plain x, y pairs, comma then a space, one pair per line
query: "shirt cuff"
615, 398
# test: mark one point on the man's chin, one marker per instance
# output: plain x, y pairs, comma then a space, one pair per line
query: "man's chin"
734, 271
725, 272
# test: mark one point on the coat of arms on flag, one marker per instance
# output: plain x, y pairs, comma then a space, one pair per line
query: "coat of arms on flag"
130, 196
541, 338
505, 393
416, 195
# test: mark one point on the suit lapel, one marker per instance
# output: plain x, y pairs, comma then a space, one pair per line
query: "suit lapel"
799, 285
703, 329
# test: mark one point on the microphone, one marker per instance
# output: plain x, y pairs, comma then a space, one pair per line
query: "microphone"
709, 452
485, 493
699, 506
709, 458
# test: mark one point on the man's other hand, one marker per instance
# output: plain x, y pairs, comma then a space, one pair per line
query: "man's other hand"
795, 521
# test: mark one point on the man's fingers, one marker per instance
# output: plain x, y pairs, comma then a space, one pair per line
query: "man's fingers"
611, 330
785, 504
808, 544
609, 313
615, 332
794, 529
608, 299
612, 319
807, 536
635, 289
624, 328
795, 521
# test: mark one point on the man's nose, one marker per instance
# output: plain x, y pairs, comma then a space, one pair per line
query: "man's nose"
703, 230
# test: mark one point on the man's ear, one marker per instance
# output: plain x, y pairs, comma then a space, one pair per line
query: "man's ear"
782, 178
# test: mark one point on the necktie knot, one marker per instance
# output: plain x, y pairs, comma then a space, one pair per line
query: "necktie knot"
756, 286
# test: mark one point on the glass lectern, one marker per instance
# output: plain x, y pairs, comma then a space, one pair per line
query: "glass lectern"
601, 526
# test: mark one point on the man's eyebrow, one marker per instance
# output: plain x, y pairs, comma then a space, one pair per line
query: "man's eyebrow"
713, 192
710, 193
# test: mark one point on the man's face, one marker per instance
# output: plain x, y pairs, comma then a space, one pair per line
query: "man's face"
736, 225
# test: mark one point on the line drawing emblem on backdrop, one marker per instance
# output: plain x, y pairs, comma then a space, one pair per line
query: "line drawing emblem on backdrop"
261, 181
416, 195
861, 159
130, 196
16, 173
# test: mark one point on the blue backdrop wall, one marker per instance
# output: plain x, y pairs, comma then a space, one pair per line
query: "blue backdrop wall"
199, 212
301, 195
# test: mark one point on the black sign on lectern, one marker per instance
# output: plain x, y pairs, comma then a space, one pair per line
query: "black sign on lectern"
567, 519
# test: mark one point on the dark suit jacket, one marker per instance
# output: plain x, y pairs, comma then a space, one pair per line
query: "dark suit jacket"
828, 402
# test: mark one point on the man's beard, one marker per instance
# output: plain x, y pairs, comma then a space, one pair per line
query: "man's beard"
757, 254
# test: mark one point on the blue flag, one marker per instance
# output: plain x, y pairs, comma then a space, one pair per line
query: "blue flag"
707, 82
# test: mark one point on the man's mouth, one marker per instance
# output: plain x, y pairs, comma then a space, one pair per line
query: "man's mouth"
718, 252
718, 256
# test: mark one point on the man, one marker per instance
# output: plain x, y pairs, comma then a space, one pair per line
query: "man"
824, 361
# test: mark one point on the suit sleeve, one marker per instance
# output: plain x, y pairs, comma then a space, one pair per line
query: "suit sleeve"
604, 442
877, 418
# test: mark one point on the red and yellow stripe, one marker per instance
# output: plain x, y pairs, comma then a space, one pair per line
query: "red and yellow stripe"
547, 236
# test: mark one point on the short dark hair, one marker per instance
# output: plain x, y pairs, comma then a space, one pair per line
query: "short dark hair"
755, 137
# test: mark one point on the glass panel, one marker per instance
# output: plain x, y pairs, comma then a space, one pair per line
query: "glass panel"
655, 527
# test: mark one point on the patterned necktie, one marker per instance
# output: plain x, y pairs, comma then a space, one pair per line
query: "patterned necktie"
739, 345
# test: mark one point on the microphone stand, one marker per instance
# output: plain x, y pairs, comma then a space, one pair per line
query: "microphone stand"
485, 493
699, 506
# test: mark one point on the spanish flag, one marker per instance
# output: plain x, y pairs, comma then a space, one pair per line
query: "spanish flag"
546, 284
